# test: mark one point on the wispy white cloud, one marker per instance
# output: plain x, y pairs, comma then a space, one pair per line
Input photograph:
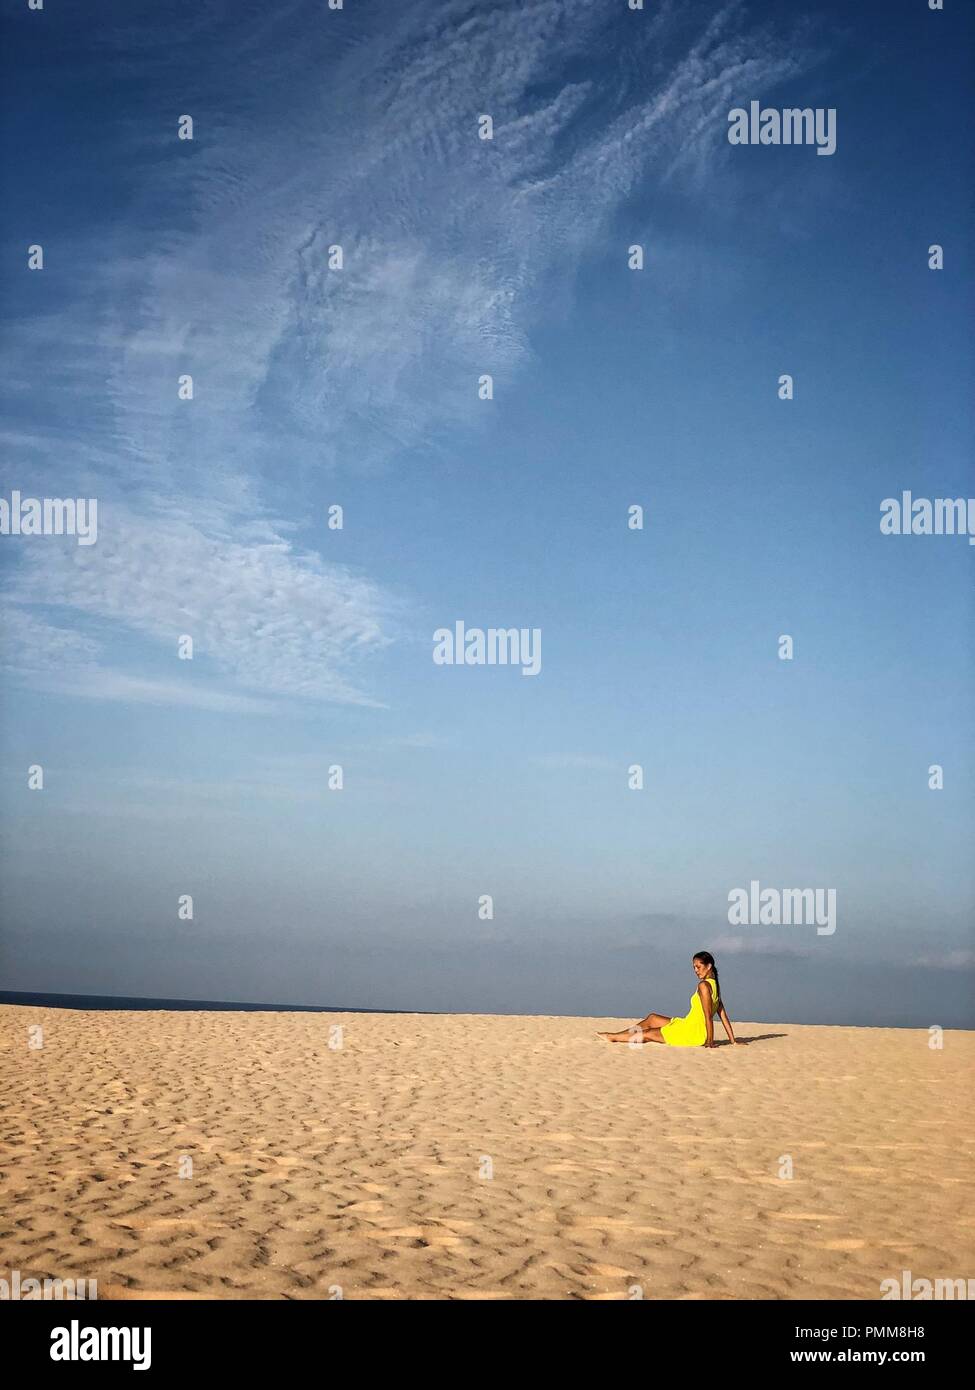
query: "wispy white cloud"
266, 618
59, 660
961, 959
760, 946
455, 249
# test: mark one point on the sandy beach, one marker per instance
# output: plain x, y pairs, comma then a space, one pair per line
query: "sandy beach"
477, 1157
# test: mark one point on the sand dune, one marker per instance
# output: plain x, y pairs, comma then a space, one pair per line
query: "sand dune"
477, 1157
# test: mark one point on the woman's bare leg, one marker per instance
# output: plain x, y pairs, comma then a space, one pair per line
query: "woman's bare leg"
647, 1030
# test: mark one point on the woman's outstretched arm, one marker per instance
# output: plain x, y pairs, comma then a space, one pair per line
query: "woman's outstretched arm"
727, 1023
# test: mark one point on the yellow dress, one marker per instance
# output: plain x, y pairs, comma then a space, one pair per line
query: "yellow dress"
691, 1031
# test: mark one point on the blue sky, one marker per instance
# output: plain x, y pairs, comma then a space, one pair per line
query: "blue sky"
612, 387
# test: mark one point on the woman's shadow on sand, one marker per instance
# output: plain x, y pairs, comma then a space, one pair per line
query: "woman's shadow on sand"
744, 1042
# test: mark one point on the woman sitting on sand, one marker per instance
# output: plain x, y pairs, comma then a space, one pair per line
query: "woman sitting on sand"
694, 1030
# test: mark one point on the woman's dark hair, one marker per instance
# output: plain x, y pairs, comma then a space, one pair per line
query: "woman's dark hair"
708, 960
